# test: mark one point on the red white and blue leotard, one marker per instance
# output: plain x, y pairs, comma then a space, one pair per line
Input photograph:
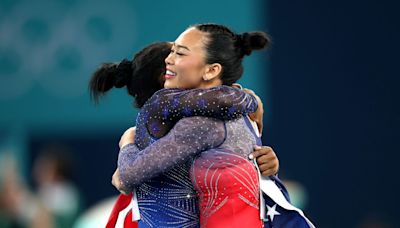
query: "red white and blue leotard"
159, 168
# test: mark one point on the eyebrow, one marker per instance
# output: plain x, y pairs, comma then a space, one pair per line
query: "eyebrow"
180, 46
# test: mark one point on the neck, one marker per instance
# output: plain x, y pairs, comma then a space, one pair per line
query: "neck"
210, 84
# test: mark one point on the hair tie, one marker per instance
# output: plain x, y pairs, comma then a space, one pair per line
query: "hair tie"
123, 73
243, 43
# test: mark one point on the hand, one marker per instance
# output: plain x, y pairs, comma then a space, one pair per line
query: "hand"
128, 137
258, 115
267, 160
117, 182
237, 85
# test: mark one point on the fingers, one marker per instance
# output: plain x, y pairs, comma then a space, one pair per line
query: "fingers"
266, 166
269, 168
114, 178
116, 182
257, 116
120, 144
249, 91
237, 85
256, 153
260, 127
269, 172
254, 117
266, 159
261, 150
128, 137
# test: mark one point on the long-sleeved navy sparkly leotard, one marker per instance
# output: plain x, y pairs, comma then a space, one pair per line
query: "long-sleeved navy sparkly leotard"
159, 168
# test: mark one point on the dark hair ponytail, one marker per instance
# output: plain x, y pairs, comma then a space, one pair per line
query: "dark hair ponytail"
142, 76
109, 75
228, 48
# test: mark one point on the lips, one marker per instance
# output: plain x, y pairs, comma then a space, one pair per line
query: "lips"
169, 74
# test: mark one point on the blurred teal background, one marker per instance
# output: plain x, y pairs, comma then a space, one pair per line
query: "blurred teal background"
329, 83
48, 50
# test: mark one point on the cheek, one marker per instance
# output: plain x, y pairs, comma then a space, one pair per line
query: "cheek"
191, 72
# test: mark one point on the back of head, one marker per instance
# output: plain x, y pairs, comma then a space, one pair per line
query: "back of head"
142, 76
228, 48
148, 71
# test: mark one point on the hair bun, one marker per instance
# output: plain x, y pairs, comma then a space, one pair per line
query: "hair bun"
250, 41
123, 73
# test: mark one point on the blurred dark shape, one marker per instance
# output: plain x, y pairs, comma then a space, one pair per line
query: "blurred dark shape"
18, 206
52, 172
375, 220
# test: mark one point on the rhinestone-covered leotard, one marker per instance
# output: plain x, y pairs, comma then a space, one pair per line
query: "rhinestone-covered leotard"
215, 150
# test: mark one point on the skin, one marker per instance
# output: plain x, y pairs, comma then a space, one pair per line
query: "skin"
186, 68
187, 61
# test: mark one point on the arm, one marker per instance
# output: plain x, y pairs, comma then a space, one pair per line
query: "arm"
169, 105
257, 116
187, 138
265, 156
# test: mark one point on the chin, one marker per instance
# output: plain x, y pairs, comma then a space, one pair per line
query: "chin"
168, 85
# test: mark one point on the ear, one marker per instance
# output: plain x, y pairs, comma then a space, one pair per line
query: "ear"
212, 71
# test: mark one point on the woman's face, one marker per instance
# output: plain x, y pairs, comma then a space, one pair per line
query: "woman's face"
186, 62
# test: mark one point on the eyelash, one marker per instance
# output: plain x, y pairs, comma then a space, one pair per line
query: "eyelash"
180, 54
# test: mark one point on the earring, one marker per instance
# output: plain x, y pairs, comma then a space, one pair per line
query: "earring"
205, 78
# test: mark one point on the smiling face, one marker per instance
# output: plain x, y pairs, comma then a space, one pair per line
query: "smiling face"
186, 65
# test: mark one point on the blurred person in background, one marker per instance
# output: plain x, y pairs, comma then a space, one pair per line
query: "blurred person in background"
52, 172
19, 207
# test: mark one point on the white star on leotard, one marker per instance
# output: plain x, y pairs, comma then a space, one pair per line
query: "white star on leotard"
272, 212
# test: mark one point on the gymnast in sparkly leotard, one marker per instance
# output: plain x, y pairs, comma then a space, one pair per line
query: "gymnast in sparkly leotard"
206, 56
225, 180
217, 151
181, 147
164, 199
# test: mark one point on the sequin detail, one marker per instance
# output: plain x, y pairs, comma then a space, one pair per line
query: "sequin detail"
168, 198
167, 106
226, 181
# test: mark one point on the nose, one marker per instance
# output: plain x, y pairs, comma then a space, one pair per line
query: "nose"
169, 59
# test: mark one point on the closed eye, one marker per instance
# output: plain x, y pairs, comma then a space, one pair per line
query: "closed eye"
177, 53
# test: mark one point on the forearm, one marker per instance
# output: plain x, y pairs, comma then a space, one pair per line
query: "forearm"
189, 137
168, 106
